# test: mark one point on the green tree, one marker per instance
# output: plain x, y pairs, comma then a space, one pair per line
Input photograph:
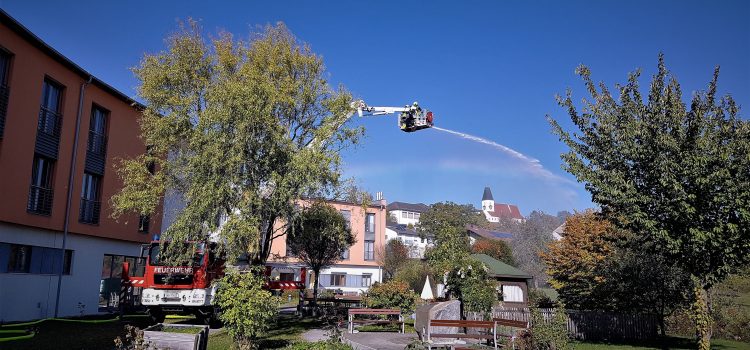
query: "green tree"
246, 309
318, 237
466, 278
239, 130
678, 176
414, 272
392, 256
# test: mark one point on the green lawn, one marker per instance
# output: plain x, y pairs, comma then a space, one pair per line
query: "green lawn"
286, 330
667, 343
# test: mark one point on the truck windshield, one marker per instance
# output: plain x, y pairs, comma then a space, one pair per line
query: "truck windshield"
155, 258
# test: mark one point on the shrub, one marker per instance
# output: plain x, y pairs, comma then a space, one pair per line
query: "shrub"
246, 309
544, 334
414, 273
391, 295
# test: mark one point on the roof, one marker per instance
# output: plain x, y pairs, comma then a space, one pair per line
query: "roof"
498, 268
418, 207
489, 234
487, 195
404, 230
30, 37
504, 210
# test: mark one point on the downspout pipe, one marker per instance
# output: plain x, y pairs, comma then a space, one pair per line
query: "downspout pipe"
71, 177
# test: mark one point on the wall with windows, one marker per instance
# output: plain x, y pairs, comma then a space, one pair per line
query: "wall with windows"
348, 278
39, 103
28, 292
405, 217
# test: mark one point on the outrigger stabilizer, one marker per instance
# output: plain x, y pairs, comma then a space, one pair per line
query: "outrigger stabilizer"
410, 119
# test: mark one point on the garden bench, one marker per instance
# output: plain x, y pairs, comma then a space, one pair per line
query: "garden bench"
487, 326
513, 324
387, 312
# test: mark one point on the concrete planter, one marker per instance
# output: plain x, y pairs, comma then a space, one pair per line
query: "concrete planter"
157, 336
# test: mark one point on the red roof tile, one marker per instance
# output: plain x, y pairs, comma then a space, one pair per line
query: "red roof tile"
503, 210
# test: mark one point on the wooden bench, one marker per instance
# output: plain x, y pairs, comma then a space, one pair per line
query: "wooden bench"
512, 324
378, 312
488, 326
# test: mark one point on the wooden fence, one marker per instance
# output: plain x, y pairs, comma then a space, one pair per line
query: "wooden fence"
589, 325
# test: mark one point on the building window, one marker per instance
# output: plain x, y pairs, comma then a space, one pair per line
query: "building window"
411, 215
403, 215
49, 112
366, 279
338, 280
347, 214
33, 259
416, 216
40, 190
143, 223
345, 254
369, 250
90, 203
111, 278
370, 223
97, 131
513, 294
19, 258
4, 89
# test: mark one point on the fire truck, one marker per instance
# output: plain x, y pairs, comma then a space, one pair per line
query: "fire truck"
188, 289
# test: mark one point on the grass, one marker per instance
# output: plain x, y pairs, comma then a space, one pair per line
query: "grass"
287, 330
672, 343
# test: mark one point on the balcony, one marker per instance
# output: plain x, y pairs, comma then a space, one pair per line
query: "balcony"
89, 211
40, 200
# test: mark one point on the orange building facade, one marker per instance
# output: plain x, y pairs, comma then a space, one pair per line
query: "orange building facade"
357, 269
59, 126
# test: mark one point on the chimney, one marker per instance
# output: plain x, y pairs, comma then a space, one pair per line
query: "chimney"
380, 199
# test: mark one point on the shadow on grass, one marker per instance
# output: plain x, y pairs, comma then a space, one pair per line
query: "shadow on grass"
658, 343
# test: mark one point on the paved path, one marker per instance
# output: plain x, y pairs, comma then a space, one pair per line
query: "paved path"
379, 340
315, 335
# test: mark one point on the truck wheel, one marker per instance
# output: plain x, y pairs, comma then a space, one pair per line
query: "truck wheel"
156, 315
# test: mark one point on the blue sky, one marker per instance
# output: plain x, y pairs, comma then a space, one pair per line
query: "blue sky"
489, 68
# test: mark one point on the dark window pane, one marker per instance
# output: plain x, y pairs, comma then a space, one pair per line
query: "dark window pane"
20, 258
107, 266
97, 131
4, 67
68, 262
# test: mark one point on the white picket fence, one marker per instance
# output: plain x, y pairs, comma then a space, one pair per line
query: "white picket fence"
589, 325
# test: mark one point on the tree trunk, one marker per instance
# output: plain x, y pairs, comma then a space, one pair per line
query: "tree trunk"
662, 326
315, 286
702, 318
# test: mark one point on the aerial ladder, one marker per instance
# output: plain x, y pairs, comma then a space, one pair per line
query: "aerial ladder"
411, 117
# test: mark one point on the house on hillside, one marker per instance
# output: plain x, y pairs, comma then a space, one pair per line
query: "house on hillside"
494, 211
407, 213
409, 236
512, 283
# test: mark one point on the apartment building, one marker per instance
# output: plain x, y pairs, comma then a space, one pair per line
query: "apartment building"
358, 267
61, 131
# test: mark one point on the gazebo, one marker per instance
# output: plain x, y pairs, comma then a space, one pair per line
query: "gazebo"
512, 283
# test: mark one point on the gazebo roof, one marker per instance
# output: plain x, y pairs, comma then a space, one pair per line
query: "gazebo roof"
498, 268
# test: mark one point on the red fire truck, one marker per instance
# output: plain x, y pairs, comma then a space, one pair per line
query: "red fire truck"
188, 289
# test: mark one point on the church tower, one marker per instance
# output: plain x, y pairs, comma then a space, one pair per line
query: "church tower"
488, 203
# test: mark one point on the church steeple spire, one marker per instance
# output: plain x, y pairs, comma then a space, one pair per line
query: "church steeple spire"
487, 196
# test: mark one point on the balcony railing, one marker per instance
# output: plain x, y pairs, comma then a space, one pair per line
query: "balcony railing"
97, 143
49, 122
89, 212
40, 200
369, 255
